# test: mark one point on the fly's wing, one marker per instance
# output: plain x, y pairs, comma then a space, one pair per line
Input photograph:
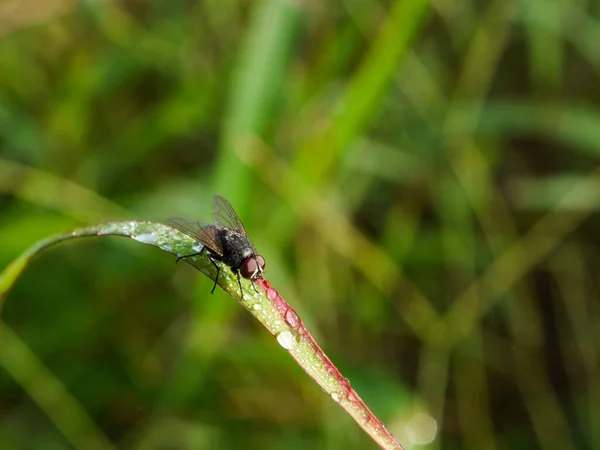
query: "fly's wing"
204, 232
225, 216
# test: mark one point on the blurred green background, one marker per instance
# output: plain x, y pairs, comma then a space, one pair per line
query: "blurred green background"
423, 179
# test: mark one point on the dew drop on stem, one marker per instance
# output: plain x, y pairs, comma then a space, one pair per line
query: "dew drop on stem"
287, 340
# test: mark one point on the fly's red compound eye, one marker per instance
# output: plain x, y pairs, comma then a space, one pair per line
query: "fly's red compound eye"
249, 268
261, 262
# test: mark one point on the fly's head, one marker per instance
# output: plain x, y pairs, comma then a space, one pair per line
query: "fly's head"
253, 267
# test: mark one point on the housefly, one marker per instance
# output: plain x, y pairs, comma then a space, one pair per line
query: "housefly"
223, 240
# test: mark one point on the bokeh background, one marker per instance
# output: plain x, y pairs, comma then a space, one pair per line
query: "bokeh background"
423, 179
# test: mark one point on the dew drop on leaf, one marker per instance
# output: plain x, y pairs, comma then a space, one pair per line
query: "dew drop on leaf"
287, 340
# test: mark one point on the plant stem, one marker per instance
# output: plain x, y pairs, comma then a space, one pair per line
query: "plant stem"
297, 340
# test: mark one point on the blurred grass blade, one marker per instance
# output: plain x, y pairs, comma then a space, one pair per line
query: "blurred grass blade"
49, 393
44, 188
262, 61
357, 106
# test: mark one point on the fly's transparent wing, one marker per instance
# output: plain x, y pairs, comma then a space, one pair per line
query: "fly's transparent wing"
225, 216
204, 232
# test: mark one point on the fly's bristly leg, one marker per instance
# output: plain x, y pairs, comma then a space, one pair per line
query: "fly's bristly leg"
240, 283
193, 254
188, 256
218, 272
212, 260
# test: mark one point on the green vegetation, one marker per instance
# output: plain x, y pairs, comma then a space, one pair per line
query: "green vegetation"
422, 179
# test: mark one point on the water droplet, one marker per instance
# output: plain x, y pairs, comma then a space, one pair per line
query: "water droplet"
287, 340
147, 238
129, 228
366, 417
108, 229
336, 397
353, 397
257, 307
292, 318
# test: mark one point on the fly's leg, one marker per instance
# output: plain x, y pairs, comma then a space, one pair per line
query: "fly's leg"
240, 283
189, 256
211, 260
218, 271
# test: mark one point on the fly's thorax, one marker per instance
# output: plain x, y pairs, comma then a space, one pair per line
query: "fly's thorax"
236, 248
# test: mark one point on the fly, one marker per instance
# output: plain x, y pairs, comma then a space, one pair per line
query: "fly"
224, 240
